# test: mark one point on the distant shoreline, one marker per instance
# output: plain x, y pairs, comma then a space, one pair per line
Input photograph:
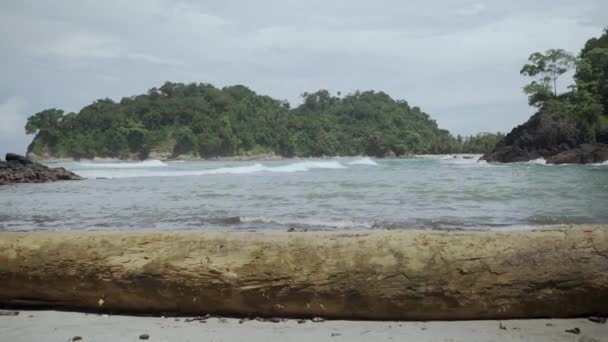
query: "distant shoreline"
261, 157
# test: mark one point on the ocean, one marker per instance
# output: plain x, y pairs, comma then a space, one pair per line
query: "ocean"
429, 192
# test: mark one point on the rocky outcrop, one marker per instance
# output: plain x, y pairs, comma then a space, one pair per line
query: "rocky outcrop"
583, 154
18, 169
550, 137
386, 275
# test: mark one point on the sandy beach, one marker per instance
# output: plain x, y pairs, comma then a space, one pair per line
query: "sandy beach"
68, 326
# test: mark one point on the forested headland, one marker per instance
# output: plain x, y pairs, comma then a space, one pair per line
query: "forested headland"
200, 120
570, 126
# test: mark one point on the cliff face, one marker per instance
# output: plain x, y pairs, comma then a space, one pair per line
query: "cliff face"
550, 137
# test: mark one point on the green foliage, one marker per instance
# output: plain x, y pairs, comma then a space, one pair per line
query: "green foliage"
587, 103
47, 120
185, 141
547, 68
202, 120
481, 143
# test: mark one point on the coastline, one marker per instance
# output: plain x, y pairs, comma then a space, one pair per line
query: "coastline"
257, 157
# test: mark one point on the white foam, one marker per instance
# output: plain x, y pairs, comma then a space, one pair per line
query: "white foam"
134, 165
600, 164
248, 169
306, 166
539, 161
311, 222
363, 161
454, 156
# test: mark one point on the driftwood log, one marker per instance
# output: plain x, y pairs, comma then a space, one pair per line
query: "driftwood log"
397, 275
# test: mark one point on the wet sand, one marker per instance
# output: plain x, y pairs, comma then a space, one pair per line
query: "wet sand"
64, 326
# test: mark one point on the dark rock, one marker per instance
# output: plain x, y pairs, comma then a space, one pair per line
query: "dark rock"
602, 136
18, 158
16, 170
551, 137
582, 154
76, 338
144, 336
9, 313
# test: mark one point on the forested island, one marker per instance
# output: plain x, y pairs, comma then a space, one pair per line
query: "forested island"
198, 120
202, 121
569, 127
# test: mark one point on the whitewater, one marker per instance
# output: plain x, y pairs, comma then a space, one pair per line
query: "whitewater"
432, 191
157, 168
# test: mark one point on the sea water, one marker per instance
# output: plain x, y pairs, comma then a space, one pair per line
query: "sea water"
441, 192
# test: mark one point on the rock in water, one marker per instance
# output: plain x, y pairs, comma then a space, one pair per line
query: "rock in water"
17, 158
583, 154
550, 137
18, 169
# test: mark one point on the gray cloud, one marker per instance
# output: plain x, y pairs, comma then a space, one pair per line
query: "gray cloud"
458, 60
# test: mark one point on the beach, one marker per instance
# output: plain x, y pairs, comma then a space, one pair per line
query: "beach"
65, 326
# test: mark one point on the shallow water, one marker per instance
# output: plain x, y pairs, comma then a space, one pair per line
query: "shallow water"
342, 193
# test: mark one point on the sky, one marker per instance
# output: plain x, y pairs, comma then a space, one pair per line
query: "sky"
458, 60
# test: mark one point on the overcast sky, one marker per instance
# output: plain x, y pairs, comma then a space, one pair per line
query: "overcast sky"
459, 60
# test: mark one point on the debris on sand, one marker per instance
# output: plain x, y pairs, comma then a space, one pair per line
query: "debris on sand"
575, 331
596, 319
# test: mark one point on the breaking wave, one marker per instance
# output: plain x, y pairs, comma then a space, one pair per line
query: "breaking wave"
540, 161
109, 172
133, 165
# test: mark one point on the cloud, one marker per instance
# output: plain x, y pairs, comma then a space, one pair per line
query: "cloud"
84, 45
472, 9
458, 60
12, 132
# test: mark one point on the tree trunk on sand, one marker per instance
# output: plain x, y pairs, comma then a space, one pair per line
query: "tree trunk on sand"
407, 274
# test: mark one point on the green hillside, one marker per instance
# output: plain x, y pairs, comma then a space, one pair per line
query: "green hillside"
201, 120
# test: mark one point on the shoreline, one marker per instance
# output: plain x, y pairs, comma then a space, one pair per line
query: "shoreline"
249, 158
73, 326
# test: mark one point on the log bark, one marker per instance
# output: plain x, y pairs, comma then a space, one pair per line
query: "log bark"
396, 275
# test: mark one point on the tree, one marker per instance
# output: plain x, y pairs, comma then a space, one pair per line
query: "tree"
202, 119
46, 120
185, 141
547, 67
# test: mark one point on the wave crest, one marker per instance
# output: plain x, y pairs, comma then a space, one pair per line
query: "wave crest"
121, 165
114, 172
